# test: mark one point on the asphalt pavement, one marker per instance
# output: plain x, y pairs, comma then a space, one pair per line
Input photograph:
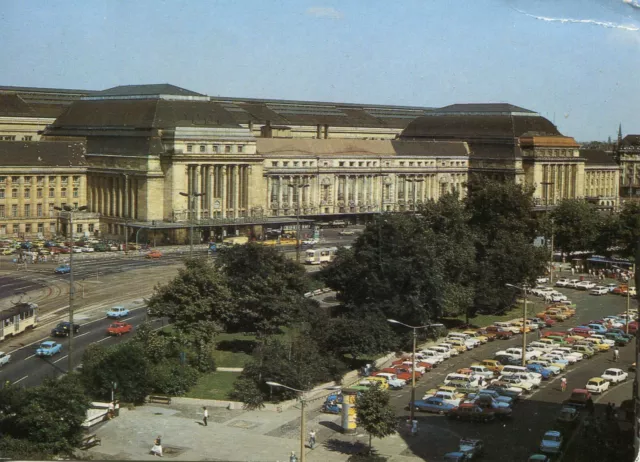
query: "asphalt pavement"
519, 437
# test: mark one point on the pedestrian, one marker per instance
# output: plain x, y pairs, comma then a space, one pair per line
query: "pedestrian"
312, 439
573, 270
205, 415
156, 450
616, 355
589, 271
563, 384
414, 428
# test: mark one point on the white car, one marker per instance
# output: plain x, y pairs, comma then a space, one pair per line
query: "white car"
632, 291
562, 282
444, 352
540, 346
555, 297
562, 354
446, 396
599, 290
542, 280
606, 340
431, 356
542, 291
516, 382
473, 380
614, 375
482, 371
77, 249
585, 285
532, 377
469, 343
530, 353
87, 249
310, 241
573, 282
569, 352
449, 347
4, 358
597, 385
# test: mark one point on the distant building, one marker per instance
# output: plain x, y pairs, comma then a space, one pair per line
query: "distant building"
602, 178
629, 155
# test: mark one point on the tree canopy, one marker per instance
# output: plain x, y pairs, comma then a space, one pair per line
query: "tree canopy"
375, 414
576, 226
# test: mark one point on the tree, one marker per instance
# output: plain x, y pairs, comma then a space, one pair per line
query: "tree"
576, 226
629, 228
375, 414
44, 420
609, 236
267, 288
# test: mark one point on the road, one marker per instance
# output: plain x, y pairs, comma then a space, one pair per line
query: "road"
28, 370
518, 438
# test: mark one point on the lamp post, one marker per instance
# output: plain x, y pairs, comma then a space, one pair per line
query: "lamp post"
70, 210
626, 326
524, 322
415, 187
298, 186
547, 184
413, 360
192, 207
303, 422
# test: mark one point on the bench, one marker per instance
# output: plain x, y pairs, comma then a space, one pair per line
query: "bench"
159, 399
90, 441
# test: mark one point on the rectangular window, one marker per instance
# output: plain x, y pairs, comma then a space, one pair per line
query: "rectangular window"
52, 228
39, 210
52, 192
2, 212
39, 193
14, 211
3, 229
64, 179
27, 210
78, 228
3, 179
76, 179
285, 164
215, 149
40, 181
27, 228
274, 163
9, 138
341, 164
75, 192
14, 193
27, 179
52, 179
27, 138
15, 179
63, 192
91, 227
189, 148
16, 229
41, 228
203, 148
51, 211
227, 148
27, 193
1, 193
240, 148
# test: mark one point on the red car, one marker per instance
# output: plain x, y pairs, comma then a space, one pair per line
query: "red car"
406, 376
549, 322
499, 332
119, 328
154, 254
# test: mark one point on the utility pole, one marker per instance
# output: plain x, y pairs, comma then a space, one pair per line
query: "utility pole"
297, 187
71, 210
547, 184
192, 209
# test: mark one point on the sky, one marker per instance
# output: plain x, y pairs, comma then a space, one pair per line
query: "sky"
575, 62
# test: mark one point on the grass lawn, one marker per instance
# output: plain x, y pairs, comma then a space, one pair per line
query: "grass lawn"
215, 385
234, 350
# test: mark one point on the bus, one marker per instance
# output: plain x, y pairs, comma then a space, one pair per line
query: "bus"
322, 256
17, 319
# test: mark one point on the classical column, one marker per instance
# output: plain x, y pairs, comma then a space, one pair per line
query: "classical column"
280, 207
236, 191
210, 189
225, 186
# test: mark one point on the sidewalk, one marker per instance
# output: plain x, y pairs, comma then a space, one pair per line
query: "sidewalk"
231, 435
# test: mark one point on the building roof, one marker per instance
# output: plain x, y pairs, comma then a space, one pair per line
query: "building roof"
597, 157
11, 105
548, 141
483, 108
144, 91
340, 147
42, 154
631, 140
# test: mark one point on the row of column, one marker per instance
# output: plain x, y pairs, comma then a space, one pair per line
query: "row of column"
601, 184
114, 196
225, 190
563, 179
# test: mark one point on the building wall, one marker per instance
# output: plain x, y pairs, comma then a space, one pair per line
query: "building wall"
28, 195
22, 128
602, 183
629, 174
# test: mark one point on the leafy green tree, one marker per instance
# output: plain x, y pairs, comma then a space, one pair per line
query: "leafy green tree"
46, 419
125, 364
504, 228
576, 225
375, 414
267, 288
609, 236
629, 228
171, 378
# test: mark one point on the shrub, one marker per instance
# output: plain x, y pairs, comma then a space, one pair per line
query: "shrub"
171, 378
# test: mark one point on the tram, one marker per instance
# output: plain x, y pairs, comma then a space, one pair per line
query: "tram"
17, 319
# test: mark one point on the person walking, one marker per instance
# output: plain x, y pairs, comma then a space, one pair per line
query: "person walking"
616, 355
312, 439
205, 415
414, 428
563, 384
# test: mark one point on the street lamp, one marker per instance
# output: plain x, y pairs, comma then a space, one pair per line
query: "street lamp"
298, 186
192, 209
415, 186
71, 210
302, 406
413, 360
524, 322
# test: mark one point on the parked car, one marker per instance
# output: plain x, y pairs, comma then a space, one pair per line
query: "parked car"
545, 373
599, 290
597, 385
578, 398
494, 394
468, 449
310, 241
119, 328
62, 269
568, 416
504, 389
502, 410
615, 375
516, 382
392, 379
585, 285
500, 333
4, 358
154, 254
562, 282
472, 412
551, 442
48, 348
538, 458
63, 329
542, 280
347, 232
433, 404
118, 312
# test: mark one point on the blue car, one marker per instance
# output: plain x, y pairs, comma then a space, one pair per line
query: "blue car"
63, 269
433, 404
48, 348
543, 371
118, 312
494, 394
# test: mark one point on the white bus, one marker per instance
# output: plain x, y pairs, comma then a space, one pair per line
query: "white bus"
322, 256
17, 319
